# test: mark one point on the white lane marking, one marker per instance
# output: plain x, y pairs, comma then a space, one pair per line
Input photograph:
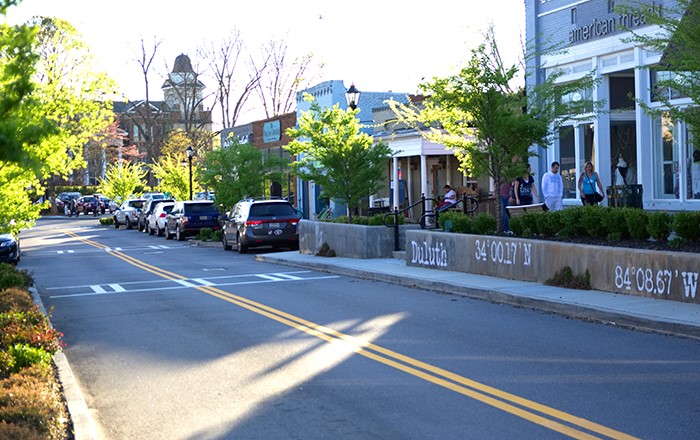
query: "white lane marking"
117, 288
286, 276
98, 289
185, 283
269, 277
203, 282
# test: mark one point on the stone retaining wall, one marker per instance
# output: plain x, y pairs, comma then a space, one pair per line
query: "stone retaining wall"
351, 241
665, 275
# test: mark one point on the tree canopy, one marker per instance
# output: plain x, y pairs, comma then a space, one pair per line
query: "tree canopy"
489, 121
678, 40
240, 170
332, 151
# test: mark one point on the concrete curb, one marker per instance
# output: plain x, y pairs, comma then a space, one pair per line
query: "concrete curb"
572, 309
84, 427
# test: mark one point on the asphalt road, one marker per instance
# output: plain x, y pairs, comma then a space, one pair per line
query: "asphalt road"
172, 341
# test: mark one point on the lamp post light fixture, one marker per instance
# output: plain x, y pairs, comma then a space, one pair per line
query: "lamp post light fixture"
352, 96
190, 154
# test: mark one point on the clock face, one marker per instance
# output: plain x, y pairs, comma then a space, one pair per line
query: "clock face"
576, 97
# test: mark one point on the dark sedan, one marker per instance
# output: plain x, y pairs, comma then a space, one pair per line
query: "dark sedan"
9, 248
189, 217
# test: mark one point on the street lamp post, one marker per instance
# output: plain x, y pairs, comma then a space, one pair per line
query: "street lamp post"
352, 96
190, 154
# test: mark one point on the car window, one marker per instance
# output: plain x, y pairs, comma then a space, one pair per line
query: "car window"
271, 210
199, 208
137, 204
167, 208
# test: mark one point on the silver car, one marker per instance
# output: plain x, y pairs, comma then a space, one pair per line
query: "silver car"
128, 213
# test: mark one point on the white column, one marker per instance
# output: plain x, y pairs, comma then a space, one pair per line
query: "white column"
601, 135
395, 179
645, 137
424, 175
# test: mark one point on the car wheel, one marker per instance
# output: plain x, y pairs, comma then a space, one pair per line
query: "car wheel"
167, 233
160, 231
139, 226
179, 235
242, 249
227, 247
128, 224
149, 230
116, 223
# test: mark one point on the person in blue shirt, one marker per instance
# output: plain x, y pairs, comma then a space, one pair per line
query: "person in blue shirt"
588, 185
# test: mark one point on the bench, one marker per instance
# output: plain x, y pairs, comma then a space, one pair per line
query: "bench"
516, 210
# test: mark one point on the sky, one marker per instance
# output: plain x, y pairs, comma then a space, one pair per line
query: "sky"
379, 46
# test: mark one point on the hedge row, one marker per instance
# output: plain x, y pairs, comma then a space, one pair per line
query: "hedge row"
31, 402
610, 223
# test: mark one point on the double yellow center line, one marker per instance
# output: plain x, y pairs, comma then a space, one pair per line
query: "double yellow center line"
534, 412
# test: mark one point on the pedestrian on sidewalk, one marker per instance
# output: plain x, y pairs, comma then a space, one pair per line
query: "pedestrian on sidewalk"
525, 188
587, 183
553, 188
505, 202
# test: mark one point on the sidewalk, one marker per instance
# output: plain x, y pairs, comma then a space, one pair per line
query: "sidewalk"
648, 314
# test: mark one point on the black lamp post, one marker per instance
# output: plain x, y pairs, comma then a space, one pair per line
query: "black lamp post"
352, 96
190, 154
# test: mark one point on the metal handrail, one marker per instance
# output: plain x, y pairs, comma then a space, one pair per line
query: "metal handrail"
466, 208
425, 214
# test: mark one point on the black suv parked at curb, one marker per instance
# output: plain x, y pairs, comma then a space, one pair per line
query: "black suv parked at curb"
261, 222
189, 217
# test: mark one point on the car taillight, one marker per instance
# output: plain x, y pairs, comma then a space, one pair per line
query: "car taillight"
163, 215
184, 220
254, 222
293, 222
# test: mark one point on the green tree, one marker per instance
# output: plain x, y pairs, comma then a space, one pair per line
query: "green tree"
679, 43
332, 151
73, 96
174, 178
239, 171
489, 121
122, 180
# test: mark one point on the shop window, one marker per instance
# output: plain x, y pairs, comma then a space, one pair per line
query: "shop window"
693, 169
567, 160
622, 93
662, 85
623, 152
611, 6
573, 15
666, 170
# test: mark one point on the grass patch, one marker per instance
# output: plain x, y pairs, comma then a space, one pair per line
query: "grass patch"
565, 278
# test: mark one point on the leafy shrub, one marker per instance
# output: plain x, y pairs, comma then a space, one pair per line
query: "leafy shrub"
31, 327
457, 221
592, 221
325, 251
205, 234
566, 278
548, 223
636, 220
524, 225
378, 220
613, 220
31, 406
659, 225
685, 224
218, 235
15, 298
484, 224
571, 222
106, 220
24, 356
11, 277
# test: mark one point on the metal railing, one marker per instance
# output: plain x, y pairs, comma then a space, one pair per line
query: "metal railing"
429, 217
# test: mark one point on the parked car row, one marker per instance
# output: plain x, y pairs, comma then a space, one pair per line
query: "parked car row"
251, 223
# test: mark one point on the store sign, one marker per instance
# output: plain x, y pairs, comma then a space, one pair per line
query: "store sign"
271, 131
600, 28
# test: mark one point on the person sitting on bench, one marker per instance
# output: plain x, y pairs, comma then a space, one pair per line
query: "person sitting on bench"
449, 199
